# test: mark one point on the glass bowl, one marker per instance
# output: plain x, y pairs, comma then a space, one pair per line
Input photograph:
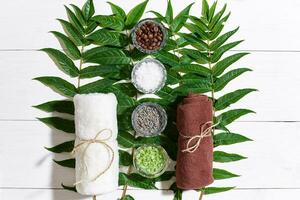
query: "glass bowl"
149, 133
134, 76
136, 43
150, 161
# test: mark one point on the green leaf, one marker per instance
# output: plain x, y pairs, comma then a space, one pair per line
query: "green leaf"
110, 38
231, 98
88, 9
205, 9
200, 24
58, 85
167, 58
197, 56
193, 68
127, 197
105, 71
65, 125
194, 41
222, 157
222, 39
195, 79
232, 115
229, 76
125, 102
64, 63
212, 11
57, 106
106, 56
135, 14
215, 32
229, 138
70, 163
173, 77
201, 34
167, 175
217, 17
167, 94
177, 192
71, 188
92, 25
136, 180
125, 158
65, 147
184, 89
118, 11
220, 174
110, 21
180, 19
169, 13
214, 190
79, 15
68, 46
159, 17
125, 139
96, 87
220, 51
222, 65
74, 21
72, 32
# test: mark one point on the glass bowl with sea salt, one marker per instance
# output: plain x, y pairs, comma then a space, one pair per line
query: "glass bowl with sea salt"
149, 76
149, 119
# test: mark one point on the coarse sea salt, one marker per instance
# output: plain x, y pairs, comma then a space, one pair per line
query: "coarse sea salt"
149, 75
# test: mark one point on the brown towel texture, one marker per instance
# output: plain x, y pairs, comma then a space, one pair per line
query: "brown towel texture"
194, 169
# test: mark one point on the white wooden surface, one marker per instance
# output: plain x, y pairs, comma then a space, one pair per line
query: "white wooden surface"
271, 172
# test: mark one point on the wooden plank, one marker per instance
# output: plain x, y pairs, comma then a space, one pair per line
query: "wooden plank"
261, 194
274, 75
262, 30
272, 157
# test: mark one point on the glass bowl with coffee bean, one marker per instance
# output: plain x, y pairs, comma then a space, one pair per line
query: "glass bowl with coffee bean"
149, 36
149, 119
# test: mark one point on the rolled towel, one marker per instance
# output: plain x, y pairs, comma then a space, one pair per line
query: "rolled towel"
96, 147
195, 143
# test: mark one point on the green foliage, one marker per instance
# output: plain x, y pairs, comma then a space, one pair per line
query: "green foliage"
58, 123
198, 60
57, 106
214, 190
135, 15
63, 147
64, 63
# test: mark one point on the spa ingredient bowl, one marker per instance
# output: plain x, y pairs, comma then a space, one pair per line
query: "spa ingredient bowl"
149, 36
148, 76
149, 119
150, 161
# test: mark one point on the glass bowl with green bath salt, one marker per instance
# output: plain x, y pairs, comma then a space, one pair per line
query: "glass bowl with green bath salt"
150, 161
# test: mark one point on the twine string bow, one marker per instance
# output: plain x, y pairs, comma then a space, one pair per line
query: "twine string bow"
204, 132
96, 140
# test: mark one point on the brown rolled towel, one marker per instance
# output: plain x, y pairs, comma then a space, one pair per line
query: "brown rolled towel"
194, 169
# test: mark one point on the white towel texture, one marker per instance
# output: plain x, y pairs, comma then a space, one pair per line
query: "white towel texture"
96, 118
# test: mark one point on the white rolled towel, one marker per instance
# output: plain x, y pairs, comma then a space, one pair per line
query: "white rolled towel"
97, 164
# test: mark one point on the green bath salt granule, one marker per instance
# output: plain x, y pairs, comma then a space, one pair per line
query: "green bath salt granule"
150, 160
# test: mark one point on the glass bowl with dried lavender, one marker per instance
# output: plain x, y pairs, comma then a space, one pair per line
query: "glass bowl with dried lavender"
149, 119
151, 161
149, 36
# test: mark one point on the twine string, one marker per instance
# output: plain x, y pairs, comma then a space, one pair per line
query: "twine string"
95, 140
191, 146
